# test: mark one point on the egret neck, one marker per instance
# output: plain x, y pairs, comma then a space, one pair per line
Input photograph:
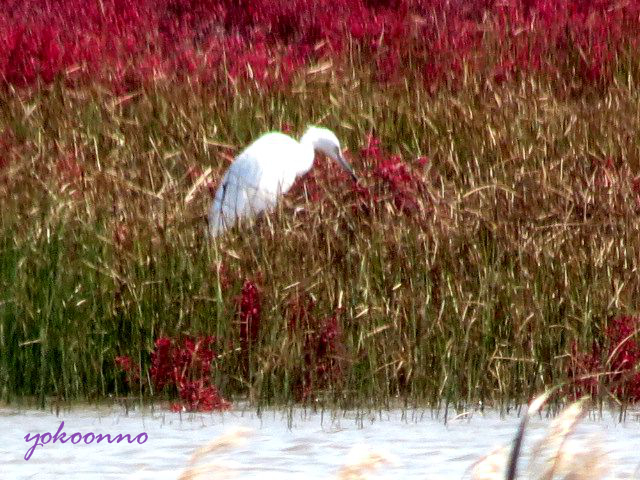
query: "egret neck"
309, 143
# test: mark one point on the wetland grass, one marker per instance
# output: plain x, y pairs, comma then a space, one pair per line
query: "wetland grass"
493, 237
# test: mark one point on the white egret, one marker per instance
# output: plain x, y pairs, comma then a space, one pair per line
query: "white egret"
267, 169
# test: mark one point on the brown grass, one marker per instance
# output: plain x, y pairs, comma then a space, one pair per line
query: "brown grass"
524, 239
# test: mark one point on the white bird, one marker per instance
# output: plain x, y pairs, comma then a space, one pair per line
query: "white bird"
265, 170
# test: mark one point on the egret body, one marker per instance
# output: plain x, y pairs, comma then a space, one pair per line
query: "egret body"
265, 170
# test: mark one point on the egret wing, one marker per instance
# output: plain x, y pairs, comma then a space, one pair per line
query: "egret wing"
238, 195
254, 180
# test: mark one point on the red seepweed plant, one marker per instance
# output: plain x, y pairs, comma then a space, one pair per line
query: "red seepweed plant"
132, 371
391, 178
614, 365
128, 43
322, 347
383, 178
186, 366
249, 311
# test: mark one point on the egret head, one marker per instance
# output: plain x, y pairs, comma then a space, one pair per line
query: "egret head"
325, 141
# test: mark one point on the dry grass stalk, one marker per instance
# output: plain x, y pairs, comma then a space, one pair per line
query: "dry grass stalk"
492, 466
535, 405
581, 460
232, 439
555, 456
361, 461
551, 457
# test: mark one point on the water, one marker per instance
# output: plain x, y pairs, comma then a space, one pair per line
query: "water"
294, 444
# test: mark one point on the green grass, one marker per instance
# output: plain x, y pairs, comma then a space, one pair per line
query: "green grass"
518, 251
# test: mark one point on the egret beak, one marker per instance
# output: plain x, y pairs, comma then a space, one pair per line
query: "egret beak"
344, 164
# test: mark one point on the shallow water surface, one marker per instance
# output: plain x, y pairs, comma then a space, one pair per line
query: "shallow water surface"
284, 444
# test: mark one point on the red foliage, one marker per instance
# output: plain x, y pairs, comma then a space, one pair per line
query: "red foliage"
373, 149
323, 347
617, 362
402, 183
132, 371
33, 52
186, 366
162, 370
392, 178
199, 396
126, 43
249, 314
124, 362
584, 370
